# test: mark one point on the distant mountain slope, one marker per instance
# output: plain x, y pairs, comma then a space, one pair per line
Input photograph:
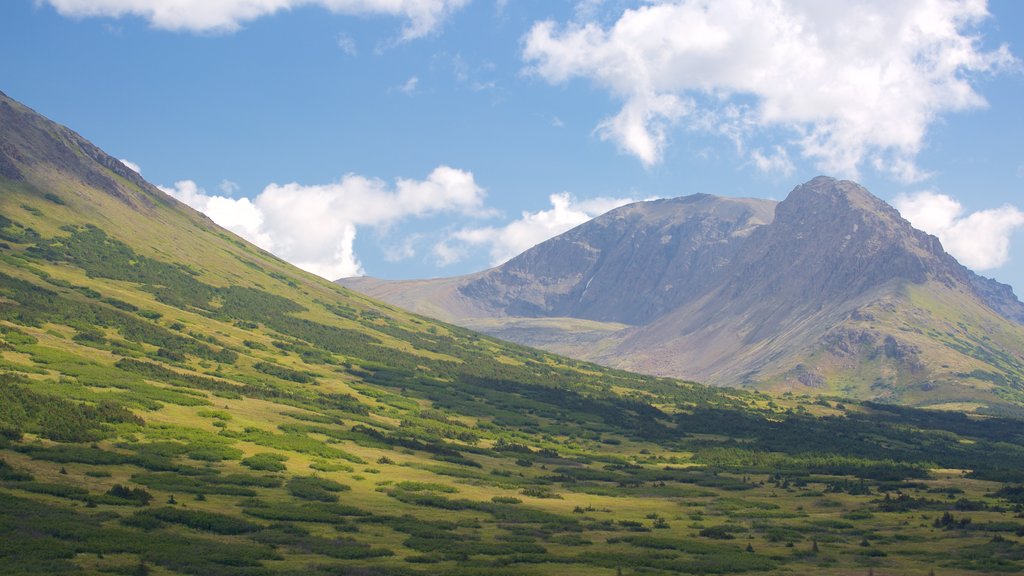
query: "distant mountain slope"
595, 271
665, 250
829, 290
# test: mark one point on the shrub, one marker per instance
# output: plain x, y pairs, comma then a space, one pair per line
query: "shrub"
540, 492
314, 488
195, 519
266, 461
723, 532
138, 495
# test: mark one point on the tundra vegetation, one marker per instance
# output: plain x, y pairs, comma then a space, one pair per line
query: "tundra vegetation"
156, 418
176, 401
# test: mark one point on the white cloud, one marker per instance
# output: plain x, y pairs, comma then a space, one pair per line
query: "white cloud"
239, 215
131, 165
848, 82
589, 9
775, 161
460, 68
347, 45
314, 227
229, 187
423, 16
531, 229
448, 252
980, 240
403, 250
409, 87
640, 127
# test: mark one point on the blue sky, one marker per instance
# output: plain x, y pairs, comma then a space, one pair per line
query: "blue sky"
422, 138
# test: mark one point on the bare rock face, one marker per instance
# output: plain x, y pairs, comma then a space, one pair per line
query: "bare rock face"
630, 265
849, 342
832, 240
828, 241
999, 297
807, 376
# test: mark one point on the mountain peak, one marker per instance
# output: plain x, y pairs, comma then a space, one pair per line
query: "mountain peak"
832, 239
831, 283
824, 196
595, 270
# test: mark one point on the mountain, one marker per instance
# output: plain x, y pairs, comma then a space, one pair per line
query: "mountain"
828, 291
175, 401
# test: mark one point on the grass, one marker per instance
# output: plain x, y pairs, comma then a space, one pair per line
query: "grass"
280, 424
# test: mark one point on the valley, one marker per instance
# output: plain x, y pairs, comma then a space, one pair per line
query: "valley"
174, 400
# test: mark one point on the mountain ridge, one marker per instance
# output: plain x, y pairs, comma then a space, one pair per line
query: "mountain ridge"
30, 140
742, 292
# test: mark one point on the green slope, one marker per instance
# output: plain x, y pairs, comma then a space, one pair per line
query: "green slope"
175, 401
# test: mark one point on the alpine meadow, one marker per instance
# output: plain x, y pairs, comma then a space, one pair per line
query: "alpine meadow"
177, 401
511, 288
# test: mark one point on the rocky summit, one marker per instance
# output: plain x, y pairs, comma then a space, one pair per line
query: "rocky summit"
828, 291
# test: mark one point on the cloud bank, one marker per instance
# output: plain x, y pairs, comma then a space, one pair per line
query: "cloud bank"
530, 229
314, 227
849, 82
423, 16
980, 240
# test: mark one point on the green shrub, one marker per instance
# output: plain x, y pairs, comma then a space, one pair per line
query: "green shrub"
136, 495
52, 489
315, 488
411, 486
539, 492
195, 519
324, 466
721, 532
328, 513
266, 461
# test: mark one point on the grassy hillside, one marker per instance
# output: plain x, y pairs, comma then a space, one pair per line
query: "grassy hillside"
175, 401
949, 352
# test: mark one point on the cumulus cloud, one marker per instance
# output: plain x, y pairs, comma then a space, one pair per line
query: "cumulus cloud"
409, 86
979, 240
347, 45
314, 227
240, 215
229, 187
530, 229
775, 161
848, 82
423, 16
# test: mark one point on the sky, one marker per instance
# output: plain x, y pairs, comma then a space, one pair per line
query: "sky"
426, 138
